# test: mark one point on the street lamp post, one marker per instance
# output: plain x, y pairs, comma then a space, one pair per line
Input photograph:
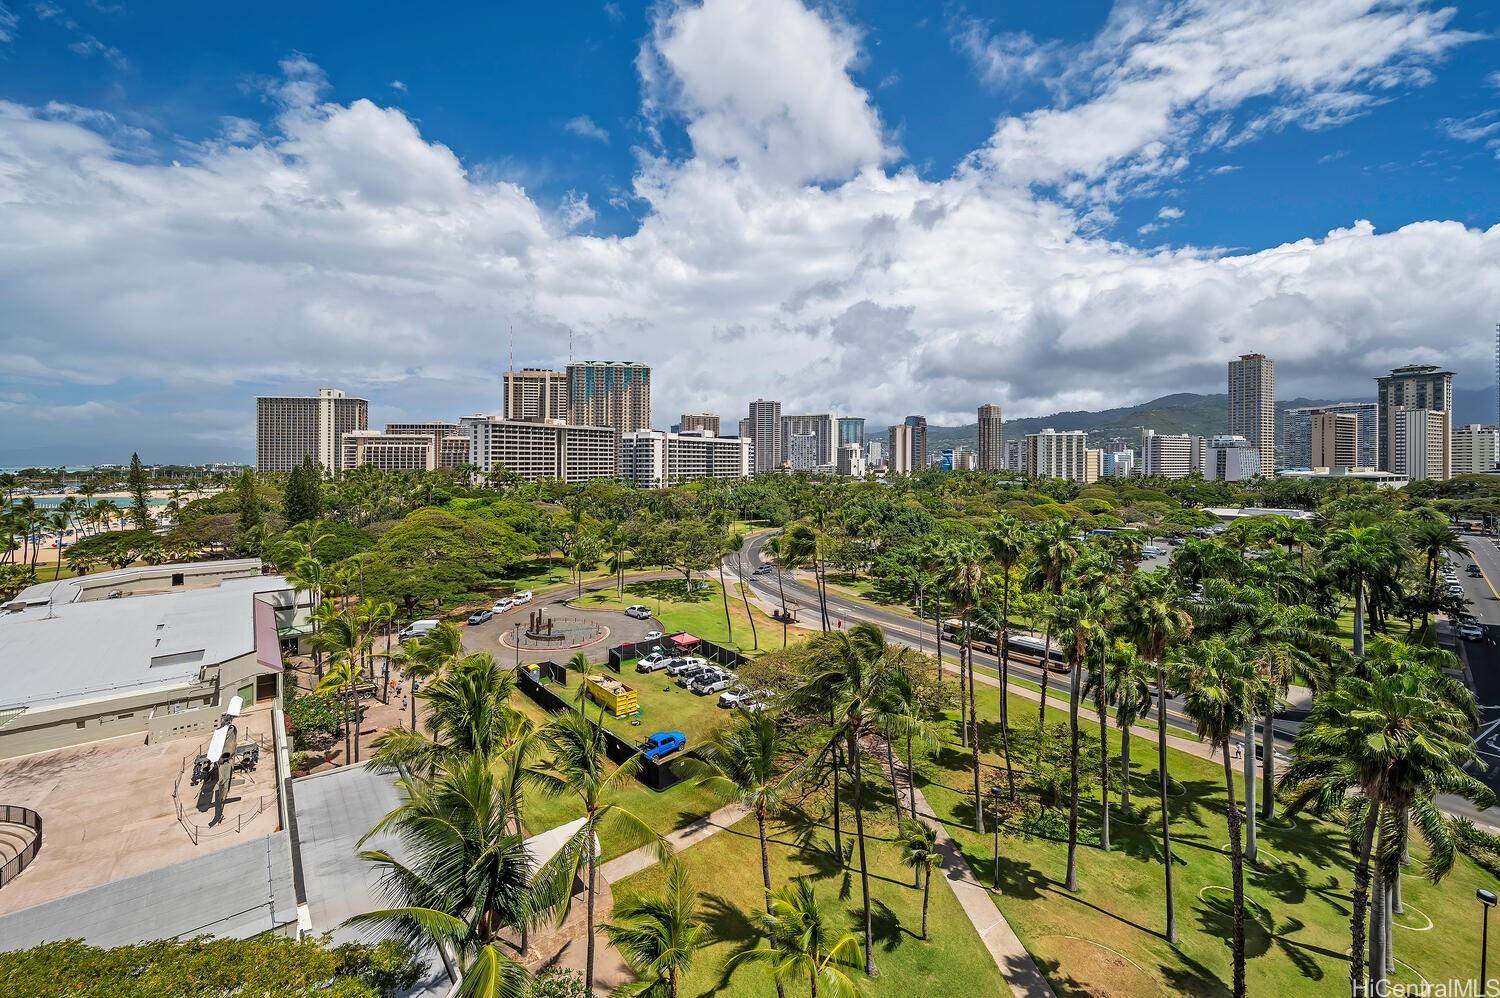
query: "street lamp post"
516, 641
1486, 898
995, 823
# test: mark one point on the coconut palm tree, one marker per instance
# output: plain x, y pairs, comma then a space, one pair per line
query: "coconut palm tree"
468, 876
744, 763
658, 935
1359, 557
579, 771
344, 637
919, 851
427, 656
1128, 684
1220, 692
1156, 621
1079, 622
734, 544
849, 676
1007, 543
468, 711
968, 583
1393, 733
1053, 552
803, 944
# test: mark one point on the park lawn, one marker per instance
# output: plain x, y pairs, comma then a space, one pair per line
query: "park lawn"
663, 810
1106, 939
665, 706
547, 573
701, 613
726, 868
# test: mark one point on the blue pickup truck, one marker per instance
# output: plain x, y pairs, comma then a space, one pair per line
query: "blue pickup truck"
663, 744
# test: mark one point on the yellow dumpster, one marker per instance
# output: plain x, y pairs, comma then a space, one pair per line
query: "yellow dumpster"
613, 695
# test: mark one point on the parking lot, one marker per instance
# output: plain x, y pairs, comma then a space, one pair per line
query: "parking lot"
665, 706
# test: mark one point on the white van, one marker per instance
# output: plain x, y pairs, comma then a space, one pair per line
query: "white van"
417, 629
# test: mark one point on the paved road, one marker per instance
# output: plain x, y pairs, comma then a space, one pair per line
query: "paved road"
1483, 659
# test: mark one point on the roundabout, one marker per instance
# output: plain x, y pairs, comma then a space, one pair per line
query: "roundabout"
542, 631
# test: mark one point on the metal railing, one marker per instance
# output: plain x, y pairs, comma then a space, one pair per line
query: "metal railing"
242, 818
16, 815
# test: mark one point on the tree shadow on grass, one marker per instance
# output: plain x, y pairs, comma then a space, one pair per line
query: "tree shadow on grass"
727, 923
1192, 978
670, 589
885, 925
1064, 986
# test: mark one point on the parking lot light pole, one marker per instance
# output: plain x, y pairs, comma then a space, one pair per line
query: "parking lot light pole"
1486, 898
516, 642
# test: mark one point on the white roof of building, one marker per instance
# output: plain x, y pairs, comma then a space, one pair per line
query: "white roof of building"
67, 652
69, 590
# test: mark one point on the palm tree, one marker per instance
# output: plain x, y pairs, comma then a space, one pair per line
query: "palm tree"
428, 655
803, 944
469, 877
1358, 556
850, 677
468, 711
1128, 688
658, 935
1079, 622
1156, 621
734, 544
919, 851
744, 764
344, 637
579, 771
1007, 544
1053, 551
1433, 539
968, 583
1394, 733
1220, 693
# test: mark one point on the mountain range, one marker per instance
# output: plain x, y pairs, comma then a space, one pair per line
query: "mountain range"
1184, 412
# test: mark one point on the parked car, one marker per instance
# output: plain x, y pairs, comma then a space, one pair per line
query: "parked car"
638, 611
417, 629
480, 616
652, 636
521, 598
687, 661
501, 605
663, 744
733, 697
688, 673
652, 662
1471, 632
1152, 551
718, 685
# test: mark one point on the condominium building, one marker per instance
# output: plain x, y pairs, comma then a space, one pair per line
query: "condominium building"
613, 393
537, 451
763, 427
823, 427
918, 427
957, 459
1476, 449
1015, 455
991, 438
534, 393
1421, 444
290, 428
653, 459
1252, 404
1334, 439
1171, 455
451, 441
851, 462
1415, 386
390, 451
899, 450
1297, 433
1054, 454
1117, 463
1231, 458
851, 430
802, 452
694, 421
876, 453
1093, 464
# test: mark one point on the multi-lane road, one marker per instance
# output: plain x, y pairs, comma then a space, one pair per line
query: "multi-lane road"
1481, 658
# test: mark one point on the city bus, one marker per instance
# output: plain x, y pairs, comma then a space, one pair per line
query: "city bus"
1023, 647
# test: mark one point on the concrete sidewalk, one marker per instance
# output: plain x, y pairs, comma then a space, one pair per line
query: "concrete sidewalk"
688, 835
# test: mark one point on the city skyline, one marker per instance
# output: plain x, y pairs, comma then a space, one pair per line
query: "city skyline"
927, 235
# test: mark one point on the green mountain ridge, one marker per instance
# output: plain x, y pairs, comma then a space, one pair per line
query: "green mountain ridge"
1184, 412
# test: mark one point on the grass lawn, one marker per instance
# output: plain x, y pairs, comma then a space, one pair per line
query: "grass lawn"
700, 613
663, 810
544, 573
665, 706
726, 869
1106, 939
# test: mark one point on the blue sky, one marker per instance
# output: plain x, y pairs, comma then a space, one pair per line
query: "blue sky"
878, 207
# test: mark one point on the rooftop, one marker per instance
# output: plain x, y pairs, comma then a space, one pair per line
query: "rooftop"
67, 650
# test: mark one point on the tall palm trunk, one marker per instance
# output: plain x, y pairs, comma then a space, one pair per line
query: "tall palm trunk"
1237, 876
864, 866
974, 741
1103, 764
926, 894
963, 695
1162, 781
1359, 618
724, 591
1379, 909
1125, 740
588, 973
1361, 900
1268, 765
765, 873
911, 778
1041, 710
1010, 776
890, 765
1071, 881
838, 834
1250, 845
744, 588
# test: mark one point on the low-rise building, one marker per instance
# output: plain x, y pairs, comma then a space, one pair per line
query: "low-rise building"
158, 650
653, 459
542, 450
